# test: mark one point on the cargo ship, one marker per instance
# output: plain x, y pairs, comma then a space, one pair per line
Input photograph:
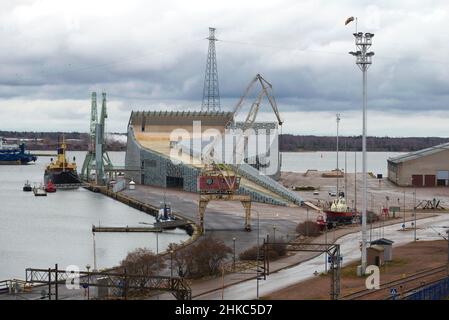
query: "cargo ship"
61, 173
14, 154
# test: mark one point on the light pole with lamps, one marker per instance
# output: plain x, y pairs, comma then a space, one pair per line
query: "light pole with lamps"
363, 42
338, 167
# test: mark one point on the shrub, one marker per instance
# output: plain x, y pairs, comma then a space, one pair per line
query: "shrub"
250, 254
308, 228
203, 258
275, 251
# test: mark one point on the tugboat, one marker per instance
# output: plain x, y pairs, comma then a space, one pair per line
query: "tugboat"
27, 187
14, 154
165, 218
61, 173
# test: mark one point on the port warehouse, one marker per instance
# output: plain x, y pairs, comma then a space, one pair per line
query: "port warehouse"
149, 148
423, 168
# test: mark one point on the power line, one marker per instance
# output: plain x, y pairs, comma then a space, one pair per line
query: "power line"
264, 45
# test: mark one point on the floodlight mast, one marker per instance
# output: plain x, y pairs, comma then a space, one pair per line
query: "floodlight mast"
363, 60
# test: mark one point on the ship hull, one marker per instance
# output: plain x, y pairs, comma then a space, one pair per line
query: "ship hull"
63, 179
339, 217
16, 158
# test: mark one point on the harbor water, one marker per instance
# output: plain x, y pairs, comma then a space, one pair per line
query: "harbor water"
324, 161
38, 232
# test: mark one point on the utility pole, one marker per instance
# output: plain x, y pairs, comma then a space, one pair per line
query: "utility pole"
325, 242
414, 212
363, 60
404, 209
338, 168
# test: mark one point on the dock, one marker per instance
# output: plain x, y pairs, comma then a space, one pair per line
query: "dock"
171, 224
44, 154
125, 229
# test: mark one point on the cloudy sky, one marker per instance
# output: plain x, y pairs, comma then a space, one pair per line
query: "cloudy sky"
151, 55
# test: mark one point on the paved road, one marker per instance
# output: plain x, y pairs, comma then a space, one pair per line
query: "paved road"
224, 220
428, 229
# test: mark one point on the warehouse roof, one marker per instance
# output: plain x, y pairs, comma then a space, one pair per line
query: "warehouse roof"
420, 153
218, 118
382, 241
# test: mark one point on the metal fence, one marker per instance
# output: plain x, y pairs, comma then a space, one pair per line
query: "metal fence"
436, 291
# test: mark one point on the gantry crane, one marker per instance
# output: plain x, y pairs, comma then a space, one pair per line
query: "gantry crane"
97, 157
218, 181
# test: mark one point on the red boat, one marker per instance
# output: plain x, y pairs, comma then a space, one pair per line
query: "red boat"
50, 187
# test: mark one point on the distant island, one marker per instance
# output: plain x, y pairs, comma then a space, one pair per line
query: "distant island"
78, 141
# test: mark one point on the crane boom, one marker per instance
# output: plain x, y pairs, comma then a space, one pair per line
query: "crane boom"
225, 171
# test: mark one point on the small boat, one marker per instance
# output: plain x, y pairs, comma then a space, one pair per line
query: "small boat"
50, 187
27, 187
339, 213
164, 216
40, 191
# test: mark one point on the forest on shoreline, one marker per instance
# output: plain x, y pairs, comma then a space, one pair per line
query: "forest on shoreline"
288, 143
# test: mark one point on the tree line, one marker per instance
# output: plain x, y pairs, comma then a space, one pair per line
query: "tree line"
295, 143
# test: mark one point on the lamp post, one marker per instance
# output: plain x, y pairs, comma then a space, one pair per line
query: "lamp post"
307, 222
171, 263
363, 42
233, 261
325, 243
95, 251
274, 234
258, 255
88, 281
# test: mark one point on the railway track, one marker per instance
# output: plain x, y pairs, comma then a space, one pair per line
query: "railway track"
408, 284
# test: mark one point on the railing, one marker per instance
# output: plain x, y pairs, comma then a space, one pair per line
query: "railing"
436, 291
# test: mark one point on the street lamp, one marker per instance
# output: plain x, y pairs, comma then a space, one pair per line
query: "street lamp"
274, 234
307, 222
363, 60
88, 281
233, 262
171, 263
258, 255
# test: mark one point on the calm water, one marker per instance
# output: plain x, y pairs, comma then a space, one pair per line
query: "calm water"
41, 231
320, 160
